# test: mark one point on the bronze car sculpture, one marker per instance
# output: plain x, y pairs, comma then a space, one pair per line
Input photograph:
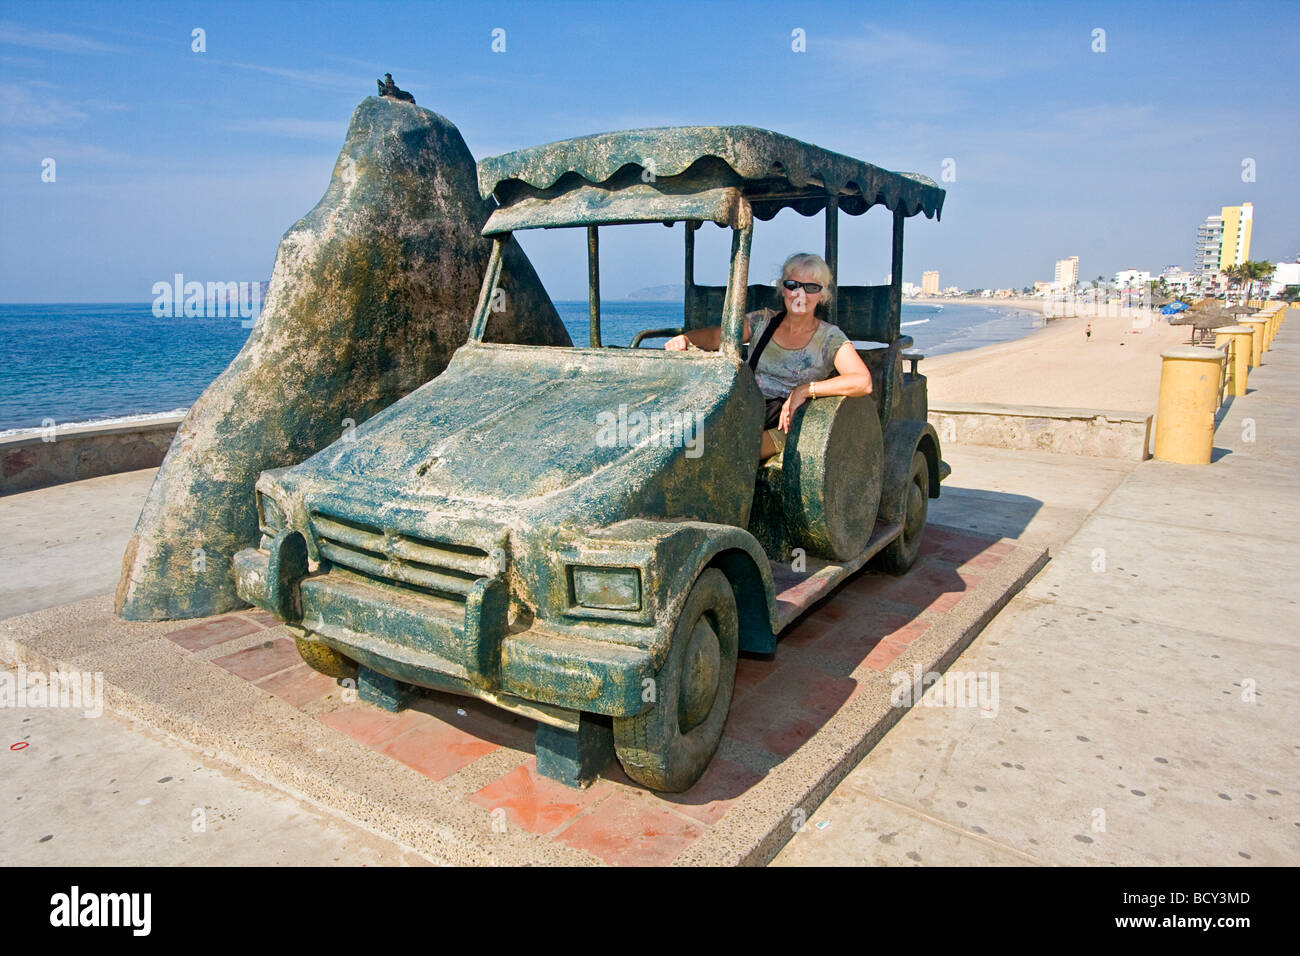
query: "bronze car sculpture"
521, 529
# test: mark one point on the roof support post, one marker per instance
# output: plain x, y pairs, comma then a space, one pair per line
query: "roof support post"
486, 294
593, 284
896, 275
833, 252
733, 309
691, 226
689, 284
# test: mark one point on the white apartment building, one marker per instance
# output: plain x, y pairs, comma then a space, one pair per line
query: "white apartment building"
1209, 247
1067, 274
1131, 280
1178, 281
1285, 274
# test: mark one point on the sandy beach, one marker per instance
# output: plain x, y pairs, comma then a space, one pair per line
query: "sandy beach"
1119, 368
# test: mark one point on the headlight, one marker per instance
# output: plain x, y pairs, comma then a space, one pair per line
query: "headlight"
614, 589
270, 516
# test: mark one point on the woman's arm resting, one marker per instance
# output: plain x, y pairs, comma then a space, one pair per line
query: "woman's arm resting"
854, 377
708, 338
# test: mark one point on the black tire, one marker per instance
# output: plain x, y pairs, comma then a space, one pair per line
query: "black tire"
669, 746
900, 554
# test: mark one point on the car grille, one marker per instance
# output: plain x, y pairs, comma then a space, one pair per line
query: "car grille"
444, 568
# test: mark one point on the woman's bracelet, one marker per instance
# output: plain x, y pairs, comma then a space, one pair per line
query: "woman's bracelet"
812, 389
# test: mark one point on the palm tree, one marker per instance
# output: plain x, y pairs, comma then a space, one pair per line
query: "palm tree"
1260, 272
1237, 275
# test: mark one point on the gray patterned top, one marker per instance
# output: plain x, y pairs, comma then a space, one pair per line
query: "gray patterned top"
780, 370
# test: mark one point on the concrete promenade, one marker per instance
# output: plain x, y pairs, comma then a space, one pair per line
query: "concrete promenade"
1145, 708
1148, 706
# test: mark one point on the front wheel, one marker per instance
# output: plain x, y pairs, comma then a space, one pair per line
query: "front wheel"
320, 657
900, 554
669, 746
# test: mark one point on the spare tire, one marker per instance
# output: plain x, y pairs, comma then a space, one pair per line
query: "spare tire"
831, 476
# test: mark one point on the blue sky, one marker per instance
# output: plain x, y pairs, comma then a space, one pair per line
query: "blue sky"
174, 161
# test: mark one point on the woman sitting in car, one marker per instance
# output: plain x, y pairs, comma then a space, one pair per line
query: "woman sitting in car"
802, 359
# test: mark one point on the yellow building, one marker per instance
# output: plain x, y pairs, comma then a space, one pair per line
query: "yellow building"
1067, 274
930, 282
1237, 221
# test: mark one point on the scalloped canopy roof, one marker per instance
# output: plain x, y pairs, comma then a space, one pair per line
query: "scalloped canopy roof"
773, 171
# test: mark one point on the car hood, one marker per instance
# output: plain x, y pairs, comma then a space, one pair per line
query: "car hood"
608, 432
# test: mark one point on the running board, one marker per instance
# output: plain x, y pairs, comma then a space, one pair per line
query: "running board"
797, 591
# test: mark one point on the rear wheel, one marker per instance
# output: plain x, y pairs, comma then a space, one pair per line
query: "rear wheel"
669, 746
900, 554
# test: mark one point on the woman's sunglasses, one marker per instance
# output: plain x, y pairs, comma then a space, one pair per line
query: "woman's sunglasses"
809, 287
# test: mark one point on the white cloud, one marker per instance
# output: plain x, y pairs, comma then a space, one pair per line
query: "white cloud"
17, 35
295, 128
319, 78
20, 108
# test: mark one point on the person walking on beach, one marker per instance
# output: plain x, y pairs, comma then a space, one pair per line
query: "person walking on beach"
1087, 333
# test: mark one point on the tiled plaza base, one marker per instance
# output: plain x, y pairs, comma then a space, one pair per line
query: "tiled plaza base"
456, 779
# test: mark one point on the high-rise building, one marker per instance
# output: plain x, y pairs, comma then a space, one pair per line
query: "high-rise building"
1067, 274
930, 282
1223, 241
1235, 248
1209, 247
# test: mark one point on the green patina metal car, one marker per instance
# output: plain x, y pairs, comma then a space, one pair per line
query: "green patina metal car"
584, 535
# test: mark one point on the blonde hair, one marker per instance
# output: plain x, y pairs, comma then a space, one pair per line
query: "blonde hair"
811, 262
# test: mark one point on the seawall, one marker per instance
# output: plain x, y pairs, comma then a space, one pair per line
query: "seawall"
41, 457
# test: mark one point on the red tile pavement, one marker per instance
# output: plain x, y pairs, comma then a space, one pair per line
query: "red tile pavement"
750, 672
884, 654
298, 685
218, 630
789, 711
778, 705
370, 725
436, 749
536, 803
480, 719
708, 801
261, 617
955, 547
855, 642
625, 830
930, 586
806, 631
261, 661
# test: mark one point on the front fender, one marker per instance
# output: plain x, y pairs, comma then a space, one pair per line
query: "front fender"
681, 550
903, 439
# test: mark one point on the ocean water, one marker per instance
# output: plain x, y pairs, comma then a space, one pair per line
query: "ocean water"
111, 361
935, 329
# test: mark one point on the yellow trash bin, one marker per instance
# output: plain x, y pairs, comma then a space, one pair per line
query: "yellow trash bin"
1259, 326
1242, 336
1189, 390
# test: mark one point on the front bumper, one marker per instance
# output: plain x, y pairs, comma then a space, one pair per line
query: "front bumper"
441, 643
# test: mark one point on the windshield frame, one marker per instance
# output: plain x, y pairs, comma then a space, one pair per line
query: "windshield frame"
733, 312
